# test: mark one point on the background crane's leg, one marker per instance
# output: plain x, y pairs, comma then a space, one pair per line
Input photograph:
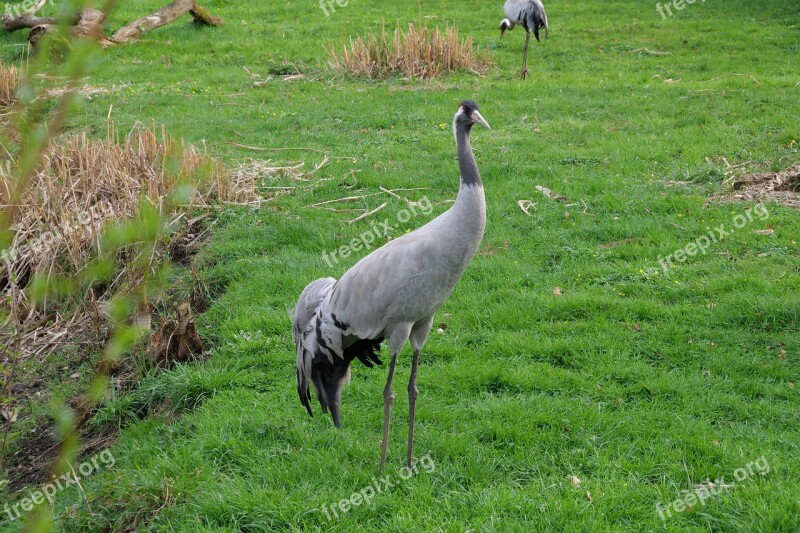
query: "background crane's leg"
524, 72
388, 398
413, 392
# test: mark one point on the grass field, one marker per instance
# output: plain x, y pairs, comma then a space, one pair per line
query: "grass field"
537, 411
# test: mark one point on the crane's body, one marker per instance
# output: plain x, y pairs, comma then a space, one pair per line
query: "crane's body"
530, 14
391, 294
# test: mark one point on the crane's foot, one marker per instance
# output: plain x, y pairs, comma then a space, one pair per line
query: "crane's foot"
523, 74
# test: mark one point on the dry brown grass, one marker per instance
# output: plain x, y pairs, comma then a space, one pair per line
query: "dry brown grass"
9, 80
421, 54
83, 186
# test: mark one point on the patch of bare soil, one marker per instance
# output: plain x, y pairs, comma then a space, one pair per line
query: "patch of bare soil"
32, 463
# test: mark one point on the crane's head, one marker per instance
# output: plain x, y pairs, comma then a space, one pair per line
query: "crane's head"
505, 24
329, 381
468, 115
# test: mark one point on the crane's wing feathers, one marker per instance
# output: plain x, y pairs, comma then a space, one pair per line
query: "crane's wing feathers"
326, 342
388, 285
529, 13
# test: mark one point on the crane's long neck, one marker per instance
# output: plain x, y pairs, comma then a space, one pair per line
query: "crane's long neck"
470, 176
468, 214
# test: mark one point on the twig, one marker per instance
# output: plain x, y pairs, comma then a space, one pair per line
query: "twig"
392, 193
360, 197
262, 149
80, 487
368, 213
585, 208
345, 199
651, 52
526, 205
734, 74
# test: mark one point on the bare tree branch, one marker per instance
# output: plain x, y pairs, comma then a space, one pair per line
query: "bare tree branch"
163, 16
89, 23
25, 20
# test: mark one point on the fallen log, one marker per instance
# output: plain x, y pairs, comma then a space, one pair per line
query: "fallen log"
202, 16
89, 22
89, 25
163, 16
25, 20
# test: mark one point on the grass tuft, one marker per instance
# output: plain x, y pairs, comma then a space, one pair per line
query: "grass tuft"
421, 54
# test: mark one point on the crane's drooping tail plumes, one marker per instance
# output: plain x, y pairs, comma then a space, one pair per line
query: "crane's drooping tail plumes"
320, 358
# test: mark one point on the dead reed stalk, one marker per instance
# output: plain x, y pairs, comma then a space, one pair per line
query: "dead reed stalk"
9, 81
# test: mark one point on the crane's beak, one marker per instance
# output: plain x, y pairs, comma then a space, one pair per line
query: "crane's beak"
478, 119
502, 31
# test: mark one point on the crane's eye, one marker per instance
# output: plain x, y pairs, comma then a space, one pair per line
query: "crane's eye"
465, 110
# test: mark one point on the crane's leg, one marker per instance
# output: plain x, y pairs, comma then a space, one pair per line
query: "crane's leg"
524, 72
388, 398
413, 392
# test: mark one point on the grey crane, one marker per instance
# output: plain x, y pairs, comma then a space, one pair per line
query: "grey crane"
529, 13
391, 294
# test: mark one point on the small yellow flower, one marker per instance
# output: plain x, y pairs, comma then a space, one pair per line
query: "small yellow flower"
442, 126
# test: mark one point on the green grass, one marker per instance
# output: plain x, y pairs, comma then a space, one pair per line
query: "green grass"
524, 389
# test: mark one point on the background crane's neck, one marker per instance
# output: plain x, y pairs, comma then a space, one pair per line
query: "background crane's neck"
468, 168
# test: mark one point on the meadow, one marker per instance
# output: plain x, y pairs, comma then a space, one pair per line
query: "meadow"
572, 381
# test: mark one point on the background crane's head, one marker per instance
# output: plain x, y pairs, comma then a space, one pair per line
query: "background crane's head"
505, 24
468, 114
